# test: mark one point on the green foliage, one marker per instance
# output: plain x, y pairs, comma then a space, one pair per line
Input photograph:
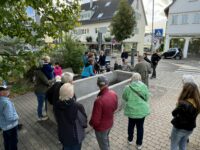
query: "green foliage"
55, 18
123, 23
107, 39
70, 54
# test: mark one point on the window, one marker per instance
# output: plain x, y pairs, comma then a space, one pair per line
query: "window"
196, 18
184, 19
107, 4
175, 19
100, 15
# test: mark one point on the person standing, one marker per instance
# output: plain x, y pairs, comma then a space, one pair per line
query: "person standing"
155, 58
102, 60
124, 56
184, 116
8, 119
103, 113
144, 69
136, 96
41, 87
71, 119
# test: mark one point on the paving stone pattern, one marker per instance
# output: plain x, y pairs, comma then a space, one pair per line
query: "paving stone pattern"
164, 93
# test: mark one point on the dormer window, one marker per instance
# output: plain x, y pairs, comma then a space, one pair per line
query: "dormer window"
100, 15
107, 4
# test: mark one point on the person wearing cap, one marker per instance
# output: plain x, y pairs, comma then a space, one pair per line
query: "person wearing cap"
8, 119
144, 69
103, 113
136, 96
71, 119
155, 58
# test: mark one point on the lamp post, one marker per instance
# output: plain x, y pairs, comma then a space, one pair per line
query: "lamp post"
152, 37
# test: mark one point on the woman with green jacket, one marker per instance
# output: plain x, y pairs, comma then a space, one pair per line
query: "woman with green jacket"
136, 96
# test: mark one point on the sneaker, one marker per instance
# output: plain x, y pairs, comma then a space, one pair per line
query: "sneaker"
139, 147
130, 142
42, 118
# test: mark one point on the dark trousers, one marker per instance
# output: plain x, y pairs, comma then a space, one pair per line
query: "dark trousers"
154, 71
72, 147
10, 139
140, 129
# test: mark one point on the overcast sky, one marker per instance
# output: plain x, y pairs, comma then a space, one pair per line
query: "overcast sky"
159, 16
160, 19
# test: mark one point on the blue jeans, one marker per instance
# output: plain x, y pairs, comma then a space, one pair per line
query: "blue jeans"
103, 139
140, 129
72, 147
41, 100
179, 139
10, 139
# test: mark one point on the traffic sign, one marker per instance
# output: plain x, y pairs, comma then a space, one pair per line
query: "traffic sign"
158, 32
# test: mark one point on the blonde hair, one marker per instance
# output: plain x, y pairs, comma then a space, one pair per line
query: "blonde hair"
66, 91
136, 77
67, 77
47, 59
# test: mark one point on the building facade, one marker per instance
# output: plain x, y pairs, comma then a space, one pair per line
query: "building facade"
183, 23
96, 17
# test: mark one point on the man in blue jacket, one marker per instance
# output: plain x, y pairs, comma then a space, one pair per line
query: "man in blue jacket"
8, 119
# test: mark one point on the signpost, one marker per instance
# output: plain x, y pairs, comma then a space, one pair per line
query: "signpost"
158, 33
99, 40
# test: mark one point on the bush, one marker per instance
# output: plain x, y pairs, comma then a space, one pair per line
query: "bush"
107, 39
70, 53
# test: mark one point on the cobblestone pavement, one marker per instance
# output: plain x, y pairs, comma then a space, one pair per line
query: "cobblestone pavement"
164, 92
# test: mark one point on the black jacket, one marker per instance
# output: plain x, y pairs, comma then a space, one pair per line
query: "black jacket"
184, 116
52, 94
102, 60
70, 128
124, 55
155, 58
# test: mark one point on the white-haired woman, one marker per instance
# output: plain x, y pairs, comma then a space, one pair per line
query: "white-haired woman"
71, 119
136, 96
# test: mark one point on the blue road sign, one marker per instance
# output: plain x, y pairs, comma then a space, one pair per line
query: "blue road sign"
158, 32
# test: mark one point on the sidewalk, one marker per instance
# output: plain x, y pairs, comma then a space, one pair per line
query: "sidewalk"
164, 93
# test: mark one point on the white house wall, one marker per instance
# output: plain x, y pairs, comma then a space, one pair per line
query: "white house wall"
92, 28
182, 27
181, 8
141, 23
137, 38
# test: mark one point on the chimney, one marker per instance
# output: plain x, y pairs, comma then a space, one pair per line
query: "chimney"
91, 3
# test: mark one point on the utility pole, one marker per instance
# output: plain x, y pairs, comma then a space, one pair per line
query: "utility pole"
152, 37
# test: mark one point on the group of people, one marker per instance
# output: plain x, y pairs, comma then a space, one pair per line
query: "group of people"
93, 64
72, 119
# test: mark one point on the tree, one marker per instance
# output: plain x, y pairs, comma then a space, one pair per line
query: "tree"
123, 23
55, 18
18, 29
70, 53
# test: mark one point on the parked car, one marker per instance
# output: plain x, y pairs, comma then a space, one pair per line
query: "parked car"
175, 53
